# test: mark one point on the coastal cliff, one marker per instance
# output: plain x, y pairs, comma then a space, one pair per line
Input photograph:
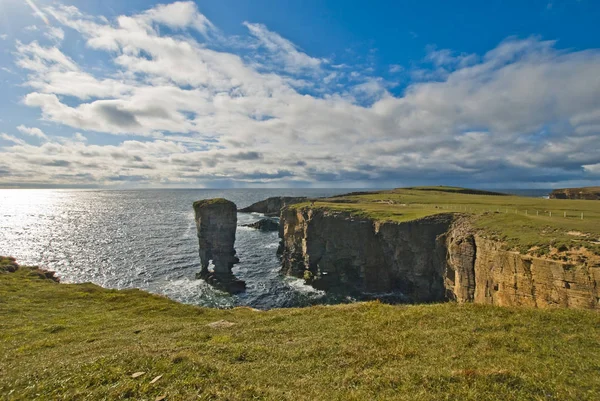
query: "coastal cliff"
436, 258
272, 206
479, 270
587, 193
335, 250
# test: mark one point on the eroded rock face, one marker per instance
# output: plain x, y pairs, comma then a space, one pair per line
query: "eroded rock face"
485, 273
333, 250
460, 262
433, 259
588, 193
216, 222
273, 206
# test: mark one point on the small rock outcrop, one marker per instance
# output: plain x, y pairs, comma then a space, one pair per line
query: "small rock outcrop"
9, 264
273, 206
264, 225
216, 222
587, 193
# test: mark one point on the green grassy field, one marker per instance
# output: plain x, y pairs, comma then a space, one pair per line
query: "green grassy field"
521, 223
82, 342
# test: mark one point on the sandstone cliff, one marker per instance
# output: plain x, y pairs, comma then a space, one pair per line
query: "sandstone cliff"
479, 270
272, 206
432, 259
216, 222
589, 193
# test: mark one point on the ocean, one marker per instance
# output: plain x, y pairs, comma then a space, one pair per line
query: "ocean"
147, 239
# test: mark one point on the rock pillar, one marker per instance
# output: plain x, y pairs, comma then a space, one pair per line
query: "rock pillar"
216, 221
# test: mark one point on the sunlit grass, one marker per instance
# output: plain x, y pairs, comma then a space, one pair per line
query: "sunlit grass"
82, 342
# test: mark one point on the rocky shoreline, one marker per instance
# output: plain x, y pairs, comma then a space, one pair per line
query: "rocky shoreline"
8, 264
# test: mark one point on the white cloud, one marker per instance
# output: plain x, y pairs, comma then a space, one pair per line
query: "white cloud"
11, 138
285, 51
41, 59
523, 111
55, 34
32, 131
3, 36
79, 137
396, 68
448, 59
179, 15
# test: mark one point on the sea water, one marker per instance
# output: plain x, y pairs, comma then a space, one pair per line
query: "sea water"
146, 239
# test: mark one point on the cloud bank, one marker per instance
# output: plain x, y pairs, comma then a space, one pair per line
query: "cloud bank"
191, 106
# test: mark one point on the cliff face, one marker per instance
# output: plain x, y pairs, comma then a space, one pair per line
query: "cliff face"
272, 206
588, 193
216, 222
432, 259
334, 250
484, 273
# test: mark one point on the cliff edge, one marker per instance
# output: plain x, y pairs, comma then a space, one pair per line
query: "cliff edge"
429, 254
587, 193
336, 251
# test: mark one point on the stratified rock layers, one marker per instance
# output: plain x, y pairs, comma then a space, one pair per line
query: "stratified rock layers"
216, 222
432, 259
489, 275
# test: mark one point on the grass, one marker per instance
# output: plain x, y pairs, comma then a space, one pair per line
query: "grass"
213, 201
521, 223
82, 342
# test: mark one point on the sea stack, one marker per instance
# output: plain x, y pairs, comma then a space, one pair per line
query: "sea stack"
216, 221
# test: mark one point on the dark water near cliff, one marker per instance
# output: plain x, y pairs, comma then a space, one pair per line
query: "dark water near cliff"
146, 239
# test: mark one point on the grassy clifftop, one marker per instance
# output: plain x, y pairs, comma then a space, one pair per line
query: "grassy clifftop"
590, 193
82, 342
552, 227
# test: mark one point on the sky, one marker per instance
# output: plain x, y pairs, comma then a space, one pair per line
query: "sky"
312, 93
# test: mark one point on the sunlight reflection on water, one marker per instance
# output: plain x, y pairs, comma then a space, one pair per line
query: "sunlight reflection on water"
144, 239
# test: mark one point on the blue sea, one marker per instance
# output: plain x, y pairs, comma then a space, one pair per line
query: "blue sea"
147, 239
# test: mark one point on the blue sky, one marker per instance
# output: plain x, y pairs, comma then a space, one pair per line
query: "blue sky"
307, 93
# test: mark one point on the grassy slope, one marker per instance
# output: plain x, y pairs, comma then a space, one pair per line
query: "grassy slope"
512, 219
83, 342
